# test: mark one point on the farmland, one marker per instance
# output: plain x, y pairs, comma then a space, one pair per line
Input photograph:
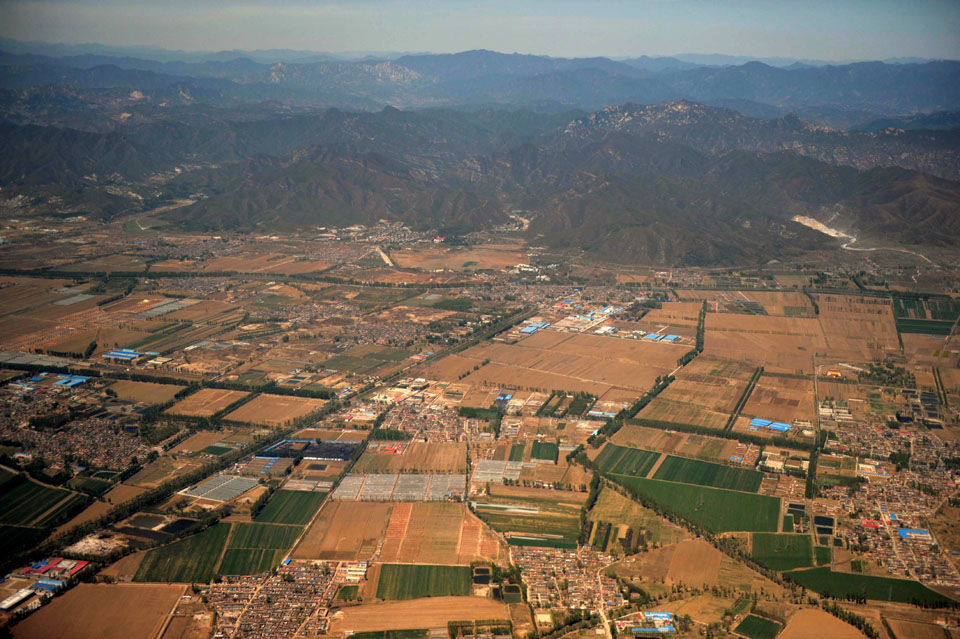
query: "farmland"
626, 461
206, 402
530, 516
841, 584
692, 471
619, 510
418, 613
146, 392
404, 581
103, 611
25, 502
552, 360
422, 457
685, 444
347, 531
189, 560
274, 410
715, 509
756, 627
290, 507
435, 533
782, 551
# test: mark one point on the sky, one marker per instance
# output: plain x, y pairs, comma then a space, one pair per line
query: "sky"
810, 29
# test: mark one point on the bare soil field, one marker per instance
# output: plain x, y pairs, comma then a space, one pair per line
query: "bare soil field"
201, 440
567, 497
91, 512
445, 457
432, 612
436, 533
813, 622
103, 611
782, 399
781, 344
345, 530
123, 492
695, 563
675, 314
124, 569
160, 470
574, 362
206, 402
146, 392
108, 264
858, 327
484, 256
275, 410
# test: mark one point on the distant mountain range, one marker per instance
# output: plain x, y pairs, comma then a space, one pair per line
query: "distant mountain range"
660, 160
841, 96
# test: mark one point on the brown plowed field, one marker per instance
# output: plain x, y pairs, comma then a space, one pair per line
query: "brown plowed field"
432, 612
206, 402
345, 531
103, 611
275, 410
813, 622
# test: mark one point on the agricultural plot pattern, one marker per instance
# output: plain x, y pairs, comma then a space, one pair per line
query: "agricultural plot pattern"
841, 584
715, 509
626, 461
404, 581
290, 507
701, 473
782, 551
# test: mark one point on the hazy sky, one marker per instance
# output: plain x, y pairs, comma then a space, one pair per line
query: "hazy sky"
834, 29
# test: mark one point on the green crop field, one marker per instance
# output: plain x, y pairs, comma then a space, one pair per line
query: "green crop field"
783, 551
90, 485
246, 561
715, 509
516, 452
701, 473
290, 507
263, 536
404, 581
822, 555
63, 511
626, 461
842, 584
23, 501
17, 538
758, 628
544, 450
190, 560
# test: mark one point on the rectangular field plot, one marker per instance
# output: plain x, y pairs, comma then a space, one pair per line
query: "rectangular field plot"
103, 611
858, 327
221, 488
705, 392
842, 584
436, 533
754, 627
547, 451
190, 560
929, 317
403, 581
275, 410
626, 461
571, 362
782, 551
781, 399
715, 509
345, 531
263, 536
670, 441
206, 402
692, 471
146, 392
290, 507
490, 470
247, 561
780, 344
420, 457
406, 487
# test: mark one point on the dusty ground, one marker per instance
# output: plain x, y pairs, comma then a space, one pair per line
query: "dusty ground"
813, 622
418, 613
103, 611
